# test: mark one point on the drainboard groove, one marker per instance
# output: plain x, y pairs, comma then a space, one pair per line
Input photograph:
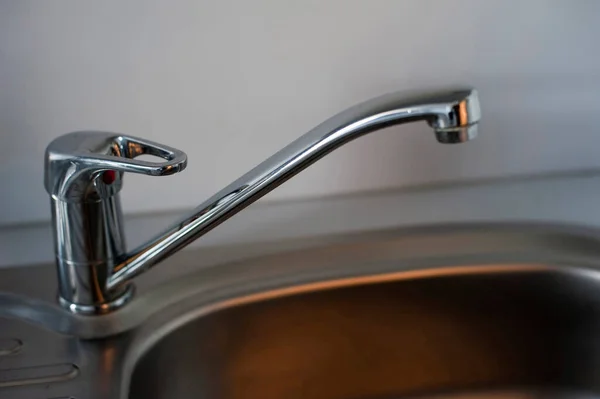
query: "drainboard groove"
38, 375
9, 346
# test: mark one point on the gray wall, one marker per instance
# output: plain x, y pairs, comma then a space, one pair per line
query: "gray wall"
230, 82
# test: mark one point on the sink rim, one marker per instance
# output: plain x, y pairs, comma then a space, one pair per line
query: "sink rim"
341, 256
392, 256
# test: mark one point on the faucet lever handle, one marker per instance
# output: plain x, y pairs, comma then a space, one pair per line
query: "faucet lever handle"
125, 149
76, 159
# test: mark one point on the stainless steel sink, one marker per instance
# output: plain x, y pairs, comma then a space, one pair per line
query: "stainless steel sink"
460, 312
492, 333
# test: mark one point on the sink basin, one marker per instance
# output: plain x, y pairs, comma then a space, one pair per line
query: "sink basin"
445, 312
488, 332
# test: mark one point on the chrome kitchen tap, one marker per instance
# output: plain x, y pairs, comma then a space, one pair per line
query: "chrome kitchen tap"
84, 172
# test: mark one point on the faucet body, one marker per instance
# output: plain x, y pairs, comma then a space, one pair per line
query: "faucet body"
84, 172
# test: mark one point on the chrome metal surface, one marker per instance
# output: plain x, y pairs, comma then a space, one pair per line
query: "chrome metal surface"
493, 311
452, 115
83, 175
93, 268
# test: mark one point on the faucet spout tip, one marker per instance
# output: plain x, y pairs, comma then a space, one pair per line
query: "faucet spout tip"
458, 123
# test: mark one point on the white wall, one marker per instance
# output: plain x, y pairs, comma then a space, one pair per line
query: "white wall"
230, 82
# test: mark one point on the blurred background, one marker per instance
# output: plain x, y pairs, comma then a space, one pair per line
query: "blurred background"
231, 82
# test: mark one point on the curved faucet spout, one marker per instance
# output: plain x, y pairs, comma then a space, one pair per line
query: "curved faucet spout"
453, 115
